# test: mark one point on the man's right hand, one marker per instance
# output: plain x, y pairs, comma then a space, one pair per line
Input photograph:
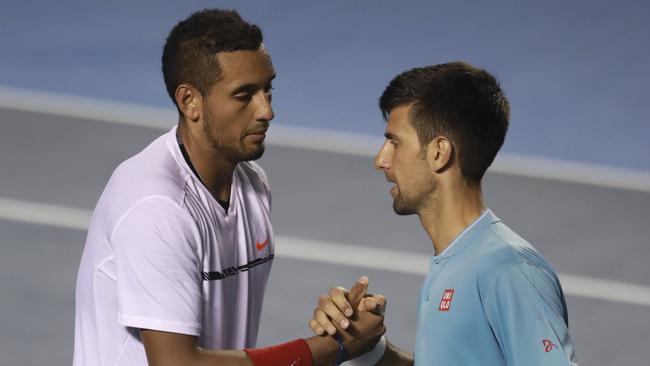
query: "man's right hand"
357, 317
334, 307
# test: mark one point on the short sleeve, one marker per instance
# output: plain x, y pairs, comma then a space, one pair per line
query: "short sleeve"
526, 311
158, 268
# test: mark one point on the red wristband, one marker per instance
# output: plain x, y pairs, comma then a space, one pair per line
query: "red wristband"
294, 353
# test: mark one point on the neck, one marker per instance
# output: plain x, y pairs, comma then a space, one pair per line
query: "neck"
214, 171
449, 212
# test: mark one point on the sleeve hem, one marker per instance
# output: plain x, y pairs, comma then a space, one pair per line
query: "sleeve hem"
193, 329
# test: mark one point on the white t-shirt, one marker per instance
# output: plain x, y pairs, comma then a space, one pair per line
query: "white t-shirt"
163, 254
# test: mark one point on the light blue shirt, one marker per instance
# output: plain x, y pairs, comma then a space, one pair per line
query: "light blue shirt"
492, 299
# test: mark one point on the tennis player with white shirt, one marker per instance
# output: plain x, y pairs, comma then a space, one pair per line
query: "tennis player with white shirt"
180, 244
489, 297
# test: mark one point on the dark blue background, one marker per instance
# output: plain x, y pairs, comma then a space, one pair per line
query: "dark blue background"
576, 72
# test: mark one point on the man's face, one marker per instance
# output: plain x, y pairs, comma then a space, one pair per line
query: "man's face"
237, 110
404, 163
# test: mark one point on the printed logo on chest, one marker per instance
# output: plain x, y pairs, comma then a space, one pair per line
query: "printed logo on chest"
548, 345
261, 245
445, 303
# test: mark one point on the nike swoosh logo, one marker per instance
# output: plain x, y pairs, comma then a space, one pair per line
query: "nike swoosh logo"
261, 246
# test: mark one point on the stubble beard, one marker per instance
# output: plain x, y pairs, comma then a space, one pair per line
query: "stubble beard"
402, 206
235, 151
405, 203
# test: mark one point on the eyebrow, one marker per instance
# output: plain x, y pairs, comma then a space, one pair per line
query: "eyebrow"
390, 136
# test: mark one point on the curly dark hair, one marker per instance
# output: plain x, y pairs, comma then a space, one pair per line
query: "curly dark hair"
190, 52
456, 100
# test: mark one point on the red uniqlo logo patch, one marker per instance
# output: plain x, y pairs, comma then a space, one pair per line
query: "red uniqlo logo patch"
445, 303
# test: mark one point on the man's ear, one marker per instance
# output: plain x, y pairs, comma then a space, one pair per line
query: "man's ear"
440, 153
189, 101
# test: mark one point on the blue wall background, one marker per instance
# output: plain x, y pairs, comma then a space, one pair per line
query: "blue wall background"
576, 72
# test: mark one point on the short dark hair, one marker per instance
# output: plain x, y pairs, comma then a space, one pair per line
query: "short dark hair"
457, 100
190, 52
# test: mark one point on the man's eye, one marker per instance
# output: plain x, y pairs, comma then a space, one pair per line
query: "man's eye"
243, 96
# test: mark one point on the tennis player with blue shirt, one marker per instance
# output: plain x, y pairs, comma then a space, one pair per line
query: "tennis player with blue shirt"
489, 298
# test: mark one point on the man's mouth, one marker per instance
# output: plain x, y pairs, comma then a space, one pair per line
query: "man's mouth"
257, 136
258, 132
394, 189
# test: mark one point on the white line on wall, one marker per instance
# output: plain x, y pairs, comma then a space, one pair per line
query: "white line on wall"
314, 139
321, 252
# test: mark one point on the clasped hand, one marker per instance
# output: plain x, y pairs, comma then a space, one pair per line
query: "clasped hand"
356, 316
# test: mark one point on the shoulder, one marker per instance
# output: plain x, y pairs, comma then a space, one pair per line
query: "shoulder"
153, 172
512, 270
156, 210
507, 257
522, 277
154, 218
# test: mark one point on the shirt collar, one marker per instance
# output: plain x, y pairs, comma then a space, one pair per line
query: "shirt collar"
467, 236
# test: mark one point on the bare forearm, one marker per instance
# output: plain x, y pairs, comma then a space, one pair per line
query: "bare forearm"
395, 357
203, 357
221, 357
171, 349
323, 350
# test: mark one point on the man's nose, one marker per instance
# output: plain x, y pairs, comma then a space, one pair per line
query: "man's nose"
265, 110
381, 160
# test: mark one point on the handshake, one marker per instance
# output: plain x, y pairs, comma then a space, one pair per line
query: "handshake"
355, 319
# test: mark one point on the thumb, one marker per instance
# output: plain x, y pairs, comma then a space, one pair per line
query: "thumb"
358, 291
